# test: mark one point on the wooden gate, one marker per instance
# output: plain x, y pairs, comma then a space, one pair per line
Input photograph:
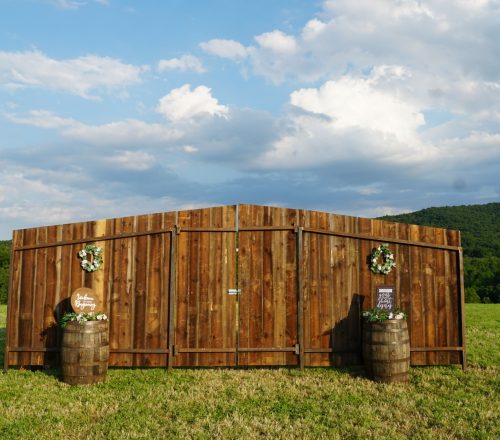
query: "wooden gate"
236, 286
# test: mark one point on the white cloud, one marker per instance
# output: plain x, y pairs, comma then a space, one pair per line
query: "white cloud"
79, 76
189, 149
183, 103
130, 131
230, 49
427, 37
277, 42
354, 102
184, 63
392, 106
132, 160
74, 4
29, 200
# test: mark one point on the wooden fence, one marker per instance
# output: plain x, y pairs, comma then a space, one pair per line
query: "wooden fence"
168, 284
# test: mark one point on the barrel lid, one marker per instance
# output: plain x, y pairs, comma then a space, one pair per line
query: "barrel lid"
85, 300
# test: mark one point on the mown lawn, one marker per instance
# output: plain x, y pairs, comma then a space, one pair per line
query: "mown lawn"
439, 402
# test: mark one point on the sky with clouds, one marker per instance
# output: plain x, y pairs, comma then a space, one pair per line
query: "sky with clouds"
111, 108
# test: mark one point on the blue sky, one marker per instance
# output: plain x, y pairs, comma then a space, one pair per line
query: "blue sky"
111, 108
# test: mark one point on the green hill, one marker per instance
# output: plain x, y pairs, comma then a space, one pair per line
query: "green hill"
480, 227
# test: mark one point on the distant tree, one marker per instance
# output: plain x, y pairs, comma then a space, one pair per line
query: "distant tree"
4, 270
471, 295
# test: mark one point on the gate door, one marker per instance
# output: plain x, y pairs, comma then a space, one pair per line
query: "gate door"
268, 333
205, 314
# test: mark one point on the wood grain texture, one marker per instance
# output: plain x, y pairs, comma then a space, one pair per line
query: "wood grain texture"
267, 279
143, 274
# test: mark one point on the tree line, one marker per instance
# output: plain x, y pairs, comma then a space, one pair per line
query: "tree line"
480, 234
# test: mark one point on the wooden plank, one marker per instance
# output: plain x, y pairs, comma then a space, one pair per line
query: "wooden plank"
343, 292
300, 296
437, 349
429, 297
461, 313
172, 298
99, 279
182, 273
379, 237
11, 339
141, 289
267, 292
50, 327
417, 314
442, 358
256, 275
454, 295
329, 289
244, 282
353, 299
156, 301
27, 297
92, 238
121, 301
203, 328
208, 351
218, 334
221, 307
194, 287
292, 293
403, 268
314, 294
38, 336
229, 280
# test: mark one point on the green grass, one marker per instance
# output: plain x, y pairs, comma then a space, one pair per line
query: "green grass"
438, 403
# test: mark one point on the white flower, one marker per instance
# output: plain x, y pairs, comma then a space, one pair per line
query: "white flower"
98, 249
400, 316
391, 315
104, 316
82, 253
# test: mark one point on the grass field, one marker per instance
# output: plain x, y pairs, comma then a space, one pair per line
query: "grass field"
439, 402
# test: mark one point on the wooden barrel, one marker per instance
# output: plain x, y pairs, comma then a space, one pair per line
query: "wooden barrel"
85, 352
386, 350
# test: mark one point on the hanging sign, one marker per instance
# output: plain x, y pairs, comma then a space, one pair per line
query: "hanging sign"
386, 297
85, 300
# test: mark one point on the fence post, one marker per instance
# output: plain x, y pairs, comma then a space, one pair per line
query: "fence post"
300, 294
171, 295
461, 298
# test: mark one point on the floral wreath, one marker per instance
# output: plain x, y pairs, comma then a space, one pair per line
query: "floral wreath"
91, 256
388, 257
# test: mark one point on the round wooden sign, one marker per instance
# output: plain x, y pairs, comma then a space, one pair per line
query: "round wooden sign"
85, 300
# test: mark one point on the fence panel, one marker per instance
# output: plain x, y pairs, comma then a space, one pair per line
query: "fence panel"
268, 331
303, 276
206, 270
